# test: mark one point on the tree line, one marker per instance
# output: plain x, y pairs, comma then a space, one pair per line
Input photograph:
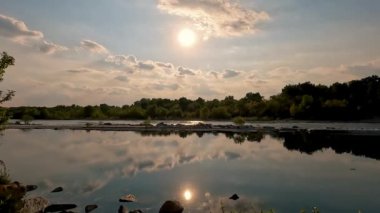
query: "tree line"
354, 100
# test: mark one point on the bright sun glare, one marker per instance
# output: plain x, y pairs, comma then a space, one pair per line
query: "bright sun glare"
188, 195
187, 37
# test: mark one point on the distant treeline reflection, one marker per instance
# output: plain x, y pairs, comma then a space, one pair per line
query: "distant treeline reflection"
302, 141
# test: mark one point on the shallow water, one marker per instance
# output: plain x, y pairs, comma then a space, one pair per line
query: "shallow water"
281, 172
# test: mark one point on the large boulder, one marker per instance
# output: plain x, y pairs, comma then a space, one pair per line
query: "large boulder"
32, 205
171, 206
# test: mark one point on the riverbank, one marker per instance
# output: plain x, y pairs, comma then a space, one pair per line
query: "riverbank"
199, 127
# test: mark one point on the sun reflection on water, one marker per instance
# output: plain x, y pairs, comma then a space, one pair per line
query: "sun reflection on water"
188, 195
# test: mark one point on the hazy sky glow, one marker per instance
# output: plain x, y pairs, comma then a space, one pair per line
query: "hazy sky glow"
118, 51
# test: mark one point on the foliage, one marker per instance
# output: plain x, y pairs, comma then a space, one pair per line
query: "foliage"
239, 120
359, 99
5, 62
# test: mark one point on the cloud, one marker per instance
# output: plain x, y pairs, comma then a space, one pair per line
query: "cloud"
232, 155
93, 46
215, 18
122, 78
162, 86
50, 48
121, 59
230, 73
185, 71
80, 70
145, 65
366, 69
165, 65
17, 30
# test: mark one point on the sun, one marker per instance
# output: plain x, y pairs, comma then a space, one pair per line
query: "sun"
187, 195
187, 37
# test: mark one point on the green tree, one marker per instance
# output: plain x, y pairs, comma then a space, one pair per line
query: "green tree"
5, 62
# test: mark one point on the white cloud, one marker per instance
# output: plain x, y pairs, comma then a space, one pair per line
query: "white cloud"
17, 30
50, 48
93, 46
215, 18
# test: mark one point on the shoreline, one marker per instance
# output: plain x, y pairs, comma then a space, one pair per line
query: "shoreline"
201, 127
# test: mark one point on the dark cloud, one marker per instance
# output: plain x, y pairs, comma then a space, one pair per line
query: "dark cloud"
145, 65
232, 155
122, 78
186, 159
364, 70
76, 71
162, 86
185, 71
145, 165
165, 65
230, 73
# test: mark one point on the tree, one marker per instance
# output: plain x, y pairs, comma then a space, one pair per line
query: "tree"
5, 62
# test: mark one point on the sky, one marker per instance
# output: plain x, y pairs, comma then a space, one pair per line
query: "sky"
89, 52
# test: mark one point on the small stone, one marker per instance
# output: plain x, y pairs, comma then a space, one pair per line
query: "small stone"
90, 208
30, 188
171, 206
58, 189
234, 197
128, 198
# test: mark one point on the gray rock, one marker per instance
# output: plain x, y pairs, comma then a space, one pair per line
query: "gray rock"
234, 197
58, 189
123, 209
90, 208
171, 206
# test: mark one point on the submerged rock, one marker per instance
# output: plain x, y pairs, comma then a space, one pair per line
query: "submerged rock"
234, 197
171, 206
30, 188
128, 198
60, 207
136, 211
90, 208
58, 189
122, 209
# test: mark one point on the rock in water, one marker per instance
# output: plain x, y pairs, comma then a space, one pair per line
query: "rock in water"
30, 188
122, 209
60, 207
136, 211
171, 206
32, 205
128, 198
90, 208
58, 189
234, 197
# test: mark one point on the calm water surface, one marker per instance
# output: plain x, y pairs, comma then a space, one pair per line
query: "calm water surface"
265, 171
